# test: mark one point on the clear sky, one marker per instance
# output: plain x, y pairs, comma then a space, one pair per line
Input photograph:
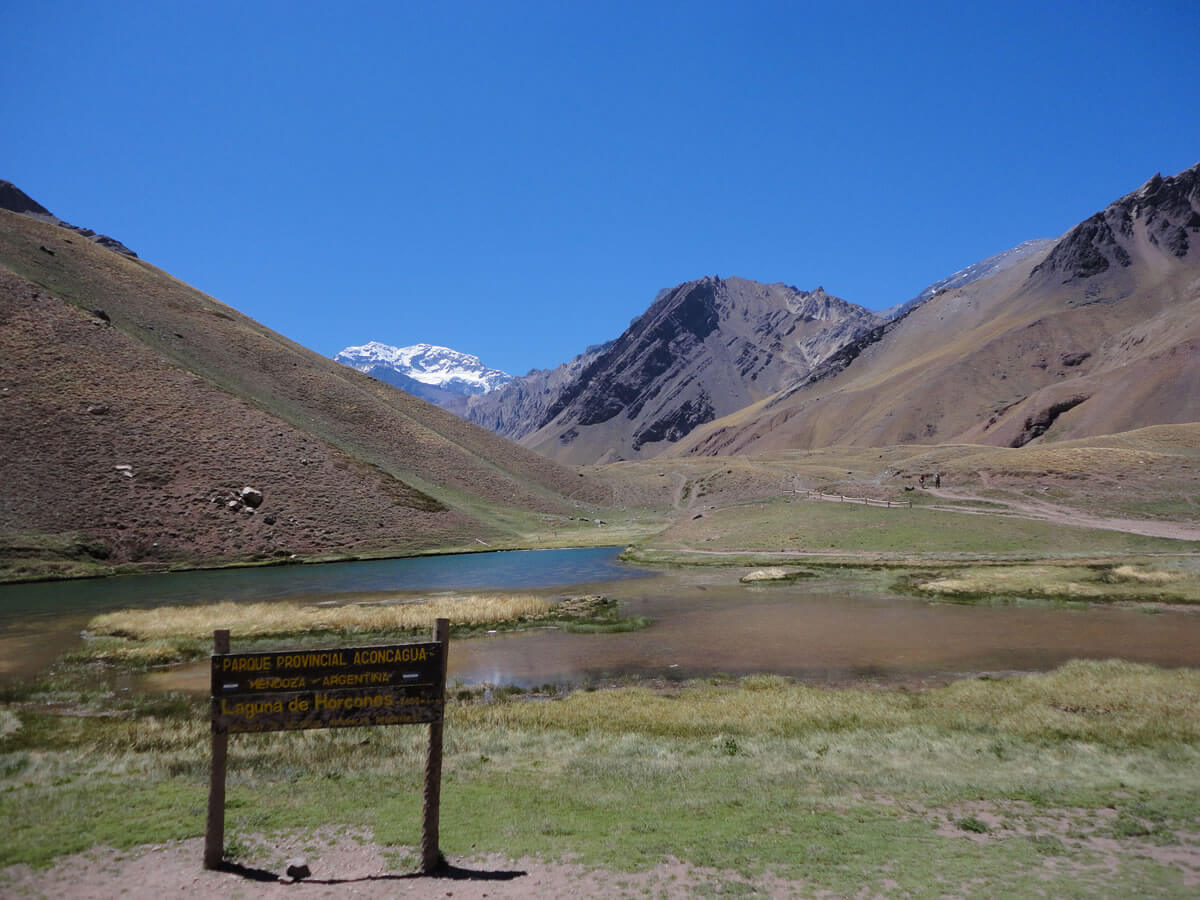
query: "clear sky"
517, 180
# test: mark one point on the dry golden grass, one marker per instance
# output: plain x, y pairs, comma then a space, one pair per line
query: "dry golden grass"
1058, 460
265, 619
1126, 582
1143, 576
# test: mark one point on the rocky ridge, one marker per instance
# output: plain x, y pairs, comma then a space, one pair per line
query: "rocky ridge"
1096, 334
16, 200
1165, 210
702, 349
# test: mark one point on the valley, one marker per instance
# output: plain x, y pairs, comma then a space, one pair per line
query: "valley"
920, 613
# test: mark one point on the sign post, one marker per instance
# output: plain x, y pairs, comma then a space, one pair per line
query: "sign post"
214, 832
431, 856
292, 690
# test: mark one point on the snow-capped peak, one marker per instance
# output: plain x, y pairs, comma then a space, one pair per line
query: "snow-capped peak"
441, 367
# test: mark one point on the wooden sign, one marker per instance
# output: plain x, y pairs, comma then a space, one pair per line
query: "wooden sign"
294, 690
290, 690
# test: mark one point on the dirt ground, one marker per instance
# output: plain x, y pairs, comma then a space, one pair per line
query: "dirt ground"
355, 866
348, 864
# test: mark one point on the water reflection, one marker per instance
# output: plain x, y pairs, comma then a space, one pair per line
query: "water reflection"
819, 633
40, 621
510, 570
842, 625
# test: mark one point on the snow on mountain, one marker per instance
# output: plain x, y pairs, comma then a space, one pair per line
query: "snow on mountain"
437, 367
972, 273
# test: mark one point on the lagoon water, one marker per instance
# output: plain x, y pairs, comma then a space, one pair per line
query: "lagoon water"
508, 570
842, 626
39, 621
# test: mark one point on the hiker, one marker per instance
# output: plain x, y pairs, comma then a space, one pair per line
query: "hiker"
922, 481
937, 480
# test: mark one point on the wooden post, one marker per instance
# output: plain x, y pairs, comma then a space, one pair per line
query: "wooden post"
431, 855
214, 834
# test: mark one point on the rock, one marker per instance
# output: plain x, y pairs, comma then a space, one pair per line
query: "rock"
124, 469
45, 249
98, 409
233, 504
101, 314
775, 573
297, 868
269, 519
252, 497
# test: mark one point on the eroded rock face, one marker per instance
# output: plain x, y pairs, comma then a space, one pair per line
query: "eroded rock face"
1166, 209
702, 350
1039, 423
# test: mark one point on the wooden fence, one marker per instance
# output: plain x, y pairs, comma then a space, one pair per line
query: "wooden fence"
840, 498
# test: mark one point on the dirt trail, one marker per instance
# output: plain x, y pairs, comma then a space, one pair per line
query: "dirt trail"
1051, 512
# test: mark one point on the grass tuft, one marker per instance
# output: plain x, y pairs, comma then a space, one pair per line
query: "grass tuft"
270, 619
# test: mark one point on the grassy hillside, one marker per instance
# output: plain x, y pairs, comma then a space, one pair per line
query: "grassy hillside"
135, 408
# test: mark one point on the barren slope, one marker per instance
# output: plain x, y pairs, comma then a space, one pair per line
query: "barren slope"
1097, 335
200, 401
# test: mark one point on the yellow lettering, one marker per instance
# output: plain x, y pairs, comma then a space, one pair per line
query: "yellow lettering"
251, 709
244, 664
322, 659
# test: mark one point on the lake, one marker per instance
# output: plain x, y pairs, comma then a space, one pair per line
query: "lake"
845, 625
41, 620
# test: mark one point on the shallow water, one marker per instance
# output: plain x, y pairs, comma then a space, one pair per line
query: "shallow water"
843, 625
40, 621
830, 629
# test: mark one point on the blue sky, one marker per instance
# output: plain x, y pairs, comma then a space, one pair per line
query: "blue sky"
517, 180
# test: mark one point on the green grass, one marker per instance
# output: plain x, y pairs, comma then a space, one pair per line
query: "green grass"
839, 528
846, 790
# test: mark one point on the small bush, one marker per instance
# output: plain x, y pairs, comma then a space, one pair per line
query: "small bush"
972, 824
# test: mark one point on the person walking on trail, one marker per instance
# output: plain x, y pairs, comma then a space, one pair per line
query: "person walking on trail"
937, 480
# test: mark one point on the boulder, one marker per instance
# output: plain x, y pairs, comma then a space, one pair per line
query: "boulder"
252, 497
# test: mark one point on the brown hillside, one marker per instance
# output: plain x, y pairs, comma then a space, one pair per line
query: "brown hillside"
106, 361
1098, 334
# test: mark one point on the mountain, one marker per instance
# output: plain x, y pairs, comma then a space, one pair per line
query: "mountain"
702, 350
1095, 334
136, 409
985, 268
16, 200
437, 374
